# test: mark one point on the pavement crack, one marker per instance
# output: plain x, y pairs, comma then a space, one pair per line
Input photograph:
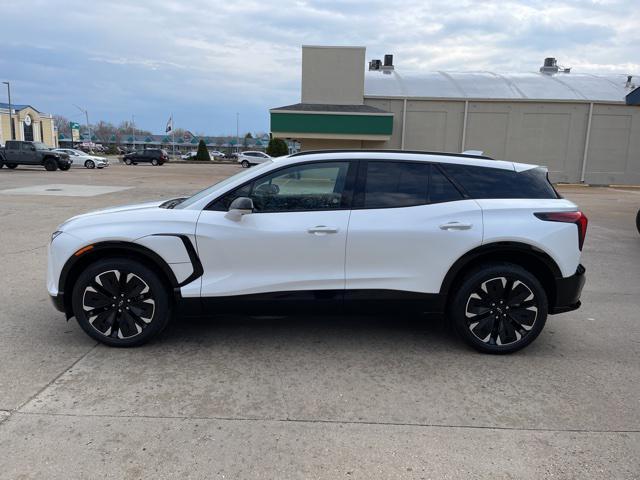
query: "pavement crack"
26, 250
333, 422
53, 380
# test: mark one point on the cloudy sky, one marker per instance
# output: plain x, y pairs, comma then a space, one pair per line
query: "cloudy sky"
206, 60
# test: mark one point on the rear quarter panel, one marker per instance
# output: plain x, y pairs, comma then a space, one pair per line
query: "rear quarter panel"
513, 220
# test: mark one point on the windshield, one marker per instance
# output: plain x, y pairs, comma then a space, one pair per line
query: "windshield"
221, 184
40, 146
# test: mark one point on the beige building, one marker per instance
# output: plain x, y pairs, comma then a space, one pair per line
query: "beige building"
579, 125
28, 124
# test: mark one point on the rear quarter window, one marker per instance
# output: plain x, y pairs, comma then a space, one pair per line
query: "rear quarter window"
486, 182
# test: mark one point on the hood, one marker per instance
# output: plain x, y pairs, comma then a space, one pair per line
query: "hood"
123, 208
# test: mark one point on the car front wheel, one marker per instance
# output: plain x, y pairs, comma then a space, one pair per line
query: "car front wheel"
127, 161
499, 308
154, 162
11, 165
64, 167
120, 302
50, 165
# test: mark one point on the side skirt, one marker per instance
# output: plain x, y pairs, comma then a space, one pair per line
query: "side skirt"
315, 302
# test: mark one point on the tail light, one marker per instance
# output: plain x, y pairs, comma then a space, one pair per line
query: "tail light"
579, 218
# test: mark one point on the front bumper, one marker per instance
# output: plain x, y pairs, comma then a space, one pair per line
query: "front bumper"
568, 292
58, 302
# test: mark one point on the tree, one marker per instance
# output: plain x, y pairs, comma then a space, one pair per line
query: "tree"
62, 124
203, 153
277, 147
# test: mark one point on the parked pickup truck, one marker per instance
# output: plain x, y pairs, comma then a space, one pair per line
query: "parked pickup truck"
32, 153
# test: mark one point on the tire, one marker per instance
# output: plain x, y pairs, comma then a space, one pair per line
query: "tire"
154, 162
245, 164
12, 166
127, 161
638, 221
511, 304
90, 164
140, 308
64, 168
50, 165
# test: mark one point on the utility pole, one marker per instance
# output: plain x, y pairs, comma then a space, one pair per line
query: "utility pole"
237, 132
133, 130
11, 126
86, 116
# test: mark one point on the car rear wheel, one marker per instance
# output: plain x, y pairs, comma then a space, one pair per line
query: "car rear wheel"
50, 165
245, 164
120, 302
127, 161
499, 308
90, 164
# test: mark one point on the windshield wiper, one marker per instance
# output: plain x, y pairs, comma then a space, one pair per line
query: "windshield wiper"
172, 203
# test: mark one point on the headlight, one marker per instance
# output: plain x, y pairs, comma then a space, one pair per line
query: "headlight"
55, 234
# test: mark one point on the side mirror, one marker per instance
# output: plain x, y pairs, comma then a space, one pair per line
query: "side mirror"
239, 207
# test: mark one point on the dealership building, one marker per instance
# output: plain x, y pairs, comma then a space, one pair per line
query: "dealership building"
583, 127
28, 124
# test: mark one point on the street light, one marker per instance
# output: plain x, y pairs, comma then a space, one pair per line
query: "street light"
86, 116
11, 126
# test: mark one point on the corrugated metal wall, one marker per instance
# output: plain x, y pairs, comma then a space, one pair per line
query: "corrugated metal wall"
551, 134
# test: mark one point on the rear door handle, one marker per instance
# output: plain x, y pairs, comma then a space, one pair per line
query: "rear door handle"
455, 226
322, 230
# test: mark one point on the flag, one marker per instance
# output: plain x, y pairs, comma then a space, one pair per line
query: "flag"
169, 125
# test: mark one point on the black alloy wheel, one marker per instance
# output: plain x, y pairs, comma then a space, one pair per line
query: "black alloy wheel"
500, 308
120, 302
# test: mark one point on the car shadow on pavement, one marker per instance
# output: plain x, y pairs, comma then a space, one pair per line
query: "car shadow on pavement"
432, 332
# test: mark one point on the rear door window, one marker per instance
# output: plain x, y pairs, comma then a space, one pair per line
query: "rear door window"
394, 184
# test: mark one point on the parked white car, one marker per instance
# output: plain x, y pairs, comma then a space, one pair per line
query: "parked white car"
252, 157
189, 155
489, 243
216, 153
81, 159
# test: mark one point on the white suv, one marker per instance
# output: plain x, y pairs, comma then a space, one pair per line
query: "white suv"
248, 158
489, 243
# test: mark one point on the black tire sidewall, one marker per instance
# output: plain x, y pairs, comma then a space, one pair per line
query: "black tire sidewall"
90, 164
470, 282
162, 312
50, 165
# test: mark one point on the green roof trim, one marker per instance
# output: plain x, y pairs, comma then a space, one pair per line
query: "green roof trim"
361, 124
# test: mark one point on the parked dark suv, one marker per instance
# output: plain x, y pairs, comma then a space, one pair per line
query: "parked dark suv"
154, 156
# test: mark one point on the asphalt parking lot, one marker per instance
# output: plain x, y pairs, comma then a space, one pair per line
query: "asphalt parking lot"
309, 397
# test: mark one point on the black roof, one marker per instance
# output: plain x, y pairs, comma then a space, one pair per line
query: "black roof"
365, 150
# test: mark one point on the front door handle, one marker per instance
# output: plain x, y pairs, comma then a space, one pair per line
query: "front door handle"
322, 230
455, 226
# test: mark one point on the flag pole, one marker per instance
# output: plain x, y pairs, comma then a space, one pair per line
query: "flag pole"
173, 136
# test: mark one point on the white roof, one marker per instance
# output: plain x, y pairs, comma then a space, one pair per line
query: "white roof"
502, 86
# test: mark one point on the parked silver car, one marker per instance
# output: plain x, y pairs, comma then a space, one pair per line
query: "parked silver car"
81, 159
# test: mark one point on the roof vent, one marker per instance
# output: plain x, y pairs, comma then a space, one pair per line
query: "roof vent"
375, 65
629, 83
550, 67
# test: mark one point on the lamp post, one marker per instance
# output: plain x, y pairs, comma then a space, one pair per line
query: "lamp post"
11, 126
237, 132
86, 116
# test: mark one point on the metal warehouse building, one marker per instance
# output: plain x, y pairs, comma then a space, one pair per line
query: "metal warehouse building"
583, 127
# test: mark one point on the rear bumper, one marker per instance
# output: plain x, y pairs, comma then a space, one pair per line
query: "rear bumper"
568, 292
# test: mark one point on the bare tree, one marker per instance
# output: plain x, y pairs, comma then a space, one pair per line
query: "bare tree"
62, 124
